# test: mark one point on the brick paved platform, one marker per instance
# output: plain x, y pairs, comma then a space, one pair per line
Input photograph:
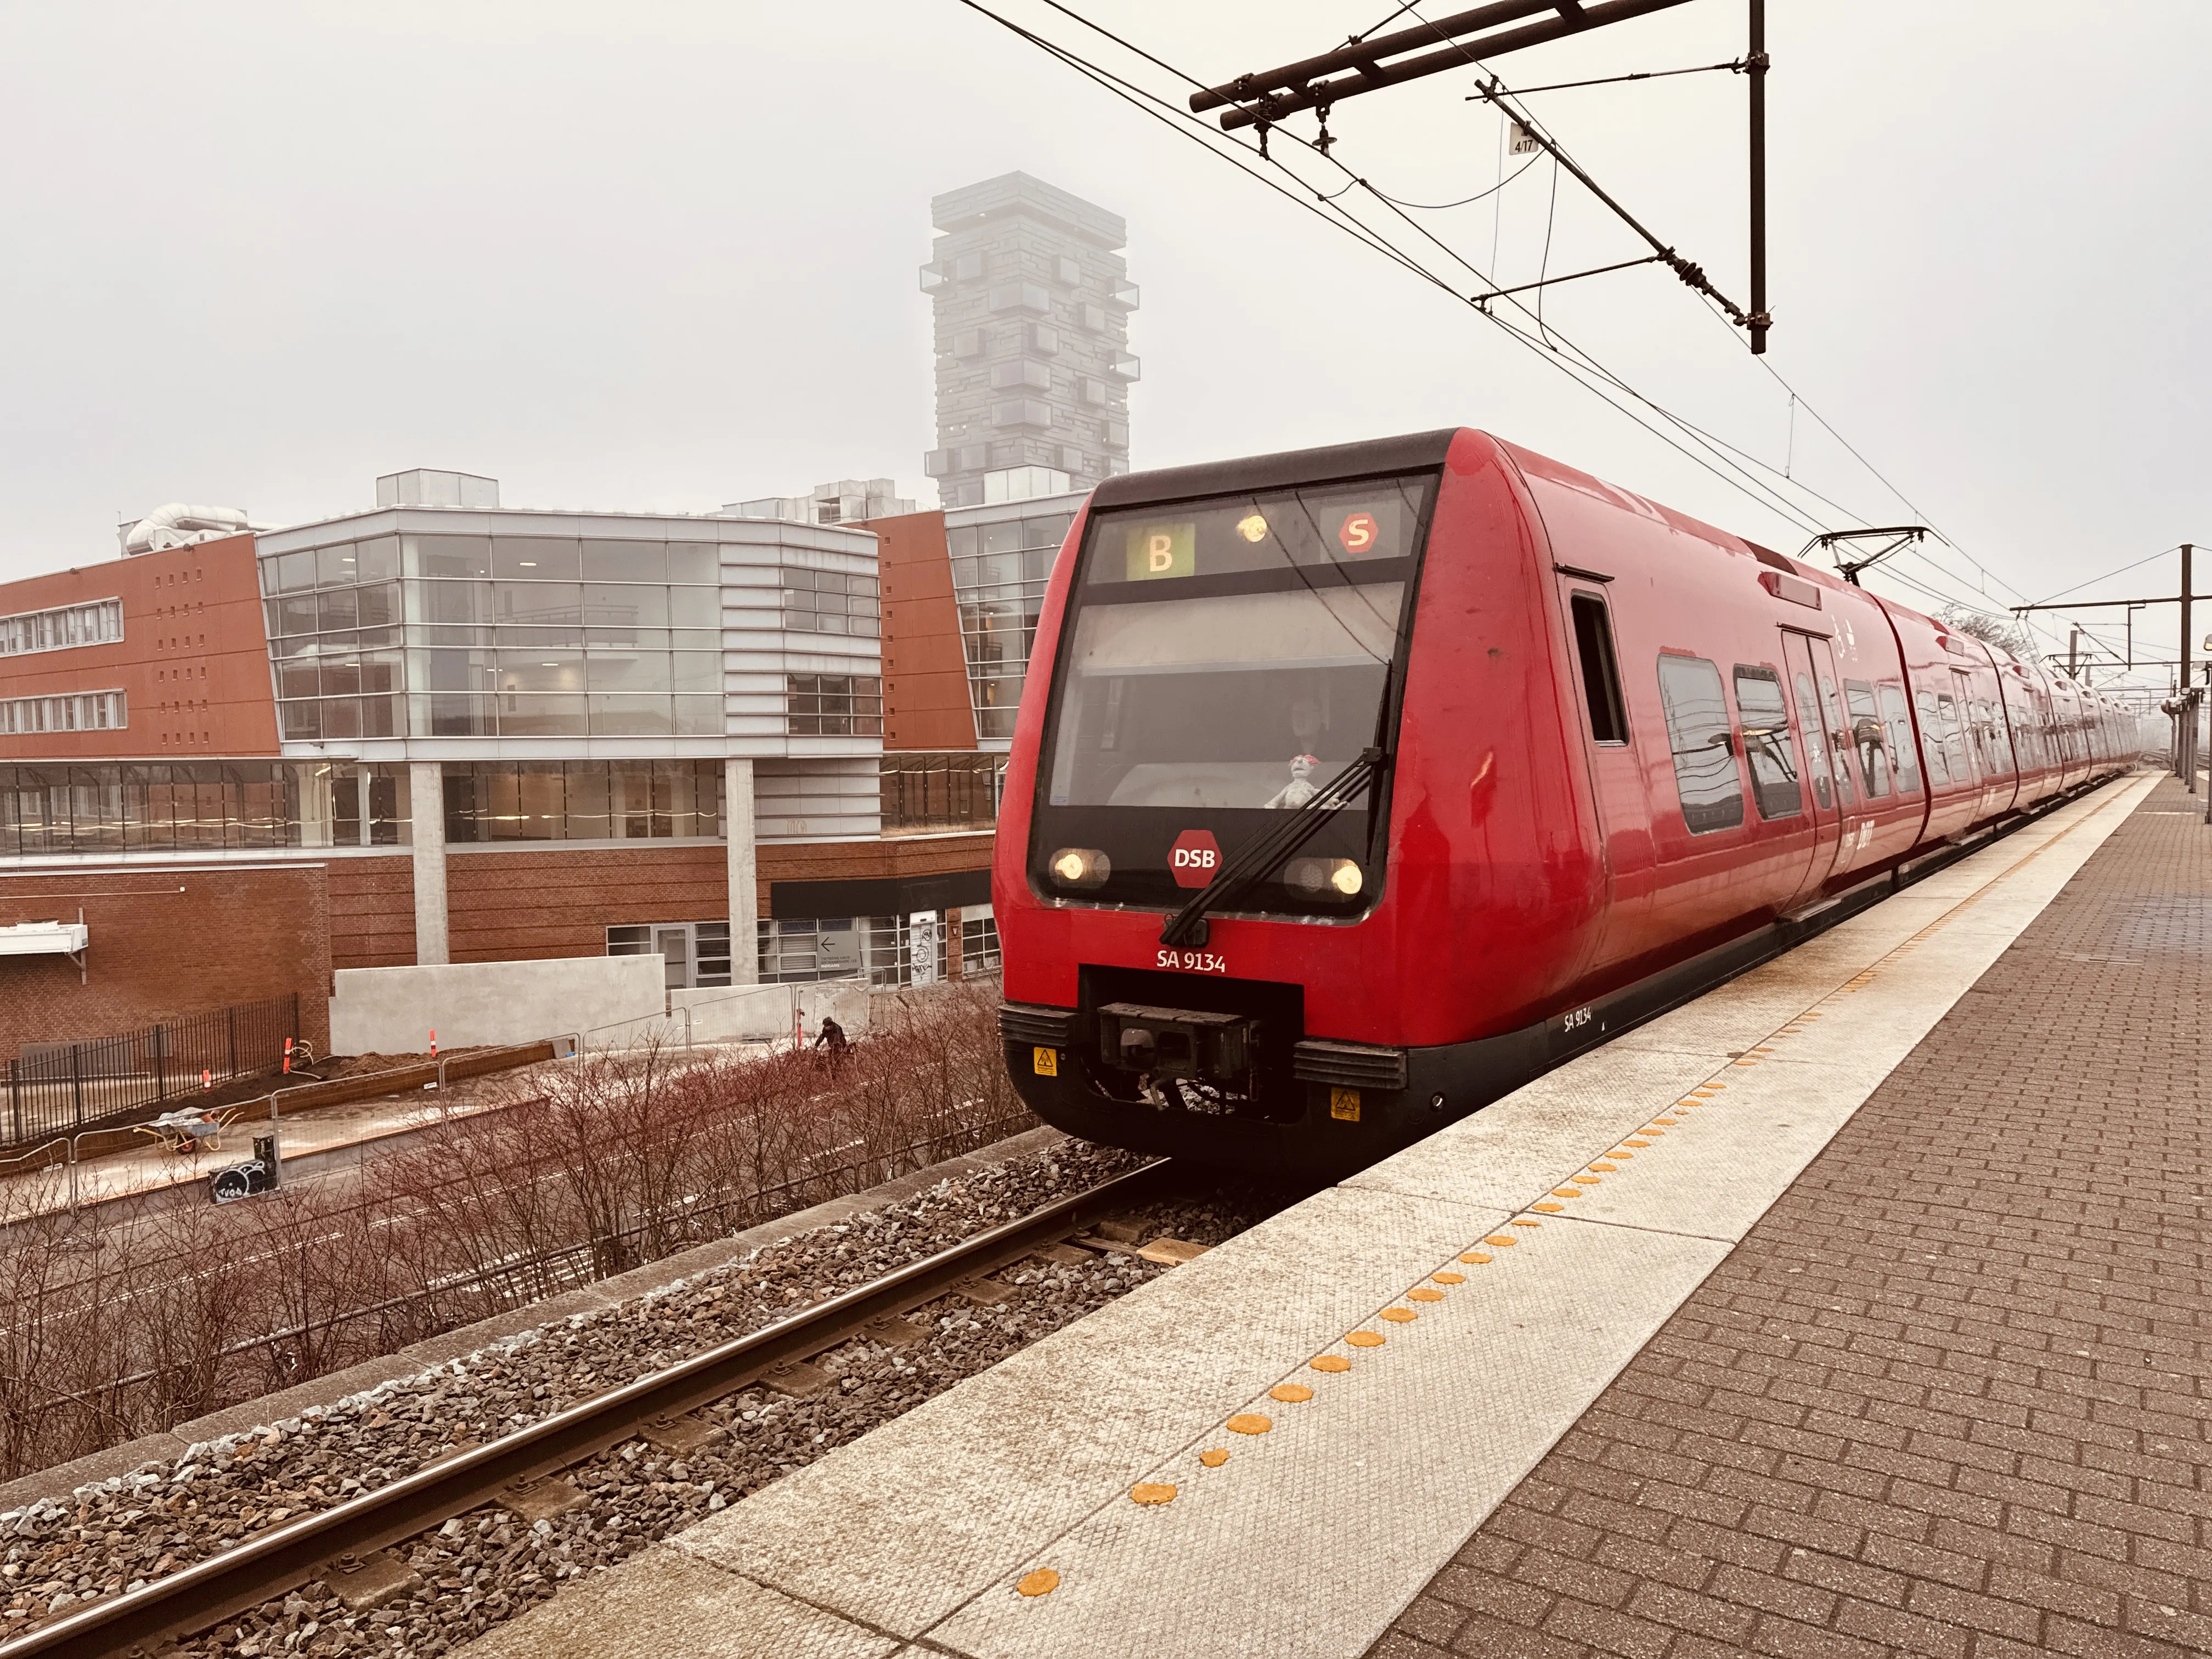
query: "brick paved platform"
1951, 1396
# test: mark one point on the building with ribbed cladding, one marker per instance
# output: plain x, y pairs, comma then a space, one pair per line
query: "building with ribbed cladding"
1031, 328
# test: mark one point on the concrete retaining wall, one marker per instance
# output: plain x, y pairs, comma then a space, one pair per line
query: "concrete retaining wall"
726, 1014
394, 1009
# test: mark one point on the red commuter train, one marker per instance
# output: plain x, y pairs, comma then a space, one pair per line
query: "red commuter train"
1353, 787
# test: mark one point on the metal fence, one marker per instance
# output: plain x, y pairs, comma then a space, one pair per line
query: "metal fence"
60, 1088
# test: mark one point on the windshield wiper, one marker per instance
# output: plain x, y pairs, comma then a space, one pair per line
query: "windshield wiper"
1260, 854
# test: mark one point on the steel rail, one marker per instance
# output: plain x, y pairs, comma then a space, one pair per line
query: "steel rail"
236, 1580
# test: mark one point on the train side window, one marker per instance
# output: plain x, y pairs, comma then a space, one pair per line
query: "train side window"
1703, 743
1842, 728
1933, 731
1981, 729
1898, 720
1767, 742
1955, 713
1817, 746
1608, 717
1872, 744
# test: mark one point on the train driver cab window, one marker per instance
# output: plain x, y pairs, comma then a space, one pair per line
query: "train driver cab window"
1703, 743
1896, 721
1869, 741
1768, 744
1608, 717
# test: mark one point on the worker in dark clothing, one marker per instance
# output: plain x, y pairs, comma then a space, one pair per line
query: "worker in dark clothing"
832, 1038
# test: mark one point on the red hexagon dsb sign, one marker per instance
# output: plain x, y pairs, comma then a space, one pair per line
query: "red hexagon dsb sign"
1196, 858
1358, 533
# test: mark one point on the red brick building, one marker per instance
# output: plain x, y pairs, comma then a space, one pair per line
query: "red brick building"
438, 733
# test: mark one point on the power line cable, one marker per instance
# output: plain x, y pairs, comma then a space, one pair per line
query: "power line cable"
1711, 306
1551, 344
2122, 571
1551, 340
1562, 353
1580, 367
1464, 200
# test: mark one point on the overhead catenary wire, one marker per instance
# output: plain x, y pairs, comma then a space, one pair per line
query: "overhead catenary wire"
1552, 343
2122, 571
1715, 308
1312, 200
1728, 463
1797, 400
1464, 200
1560, 351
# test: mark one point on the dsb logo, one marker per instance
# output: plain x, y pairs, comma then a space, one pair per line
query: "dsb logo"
1194, 858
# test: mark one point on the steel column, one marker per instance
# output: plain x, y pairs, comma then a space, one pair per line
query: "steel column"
1755, 67
2189, 712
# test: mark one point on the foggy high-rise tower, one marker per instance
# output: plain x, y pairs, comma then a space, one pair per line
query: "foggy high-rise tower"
1032, 332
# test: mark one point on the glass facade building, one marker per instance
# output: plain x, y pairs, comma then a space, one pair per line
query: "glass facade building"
448, 677
1002, 557
582, 800
927, 791
503, 635
206, 806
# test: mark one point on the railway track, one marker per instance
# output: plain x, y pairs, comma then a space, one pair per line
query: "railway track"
342, 1544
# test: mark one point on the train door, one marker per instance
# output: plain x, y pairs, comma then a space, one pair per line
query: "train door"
2016, 713
1624, 813
1800, 652
1993, 742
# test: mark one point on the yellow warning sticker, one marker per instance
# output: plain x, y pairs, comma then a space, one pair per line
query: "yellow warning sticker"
1344, 1103
1046, 1061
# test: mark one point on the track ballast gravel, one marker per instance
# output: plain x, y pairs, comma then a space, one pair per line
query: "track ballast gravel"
485, 1567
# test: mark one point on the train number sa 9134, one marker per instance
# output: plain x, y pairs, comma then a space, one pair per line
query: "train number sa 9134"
1193, 962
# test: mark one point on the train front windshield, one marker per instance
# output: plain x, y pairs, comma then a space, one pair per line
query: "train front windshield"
1222, 661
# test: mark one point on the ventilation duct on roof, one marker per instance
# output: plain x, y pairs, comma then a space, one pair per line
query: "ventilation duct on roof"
180, 524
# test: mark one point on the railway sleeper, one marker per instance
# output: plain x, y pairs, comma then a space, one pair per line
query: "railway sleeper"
684, 1433
366, 1583
801, 1381
540, 1499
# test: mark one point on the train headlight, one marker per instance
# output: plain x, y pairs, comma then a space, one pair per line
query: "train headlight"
1324, 878
1081, 867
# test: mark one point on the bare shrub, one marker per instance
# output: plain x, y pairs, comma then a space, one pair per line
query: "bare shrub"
112, 1330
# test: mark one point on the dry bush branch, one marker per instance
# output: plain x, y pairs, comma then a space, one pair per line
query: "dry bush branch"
107, 1331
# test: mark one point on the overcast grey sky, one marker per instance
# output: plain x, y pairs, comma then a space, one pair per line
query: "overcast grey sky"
662, 256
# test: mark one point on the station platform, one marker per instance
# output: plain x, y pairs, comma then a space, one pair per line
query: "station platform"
1855, 1308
